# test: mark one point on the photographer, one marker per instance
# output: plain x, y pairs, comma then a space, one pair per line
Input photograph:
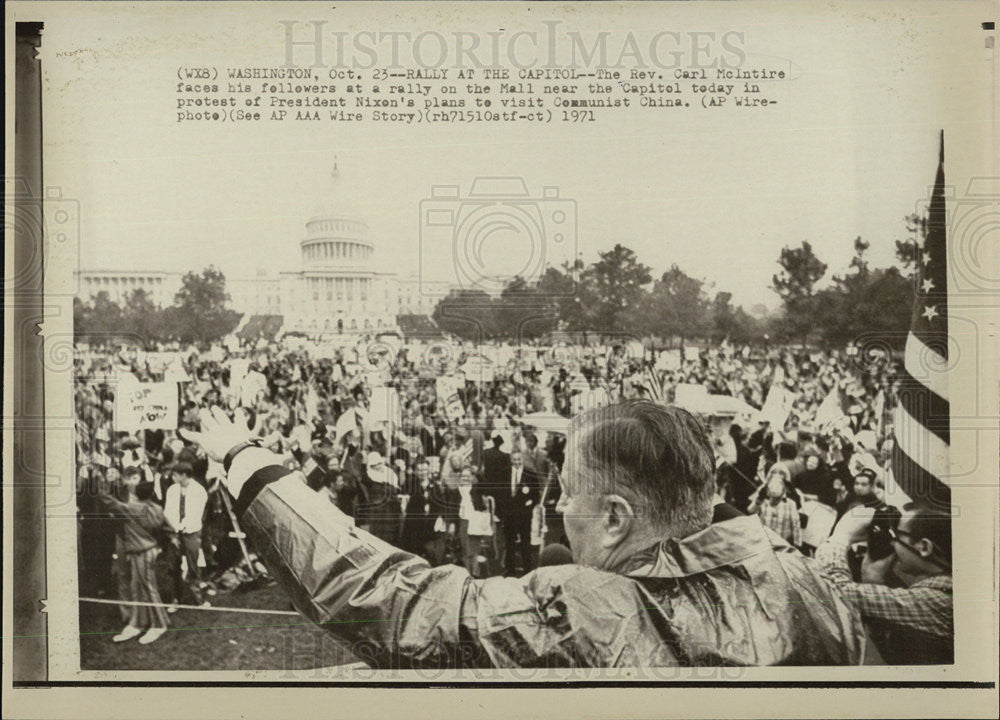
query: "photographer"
905, 593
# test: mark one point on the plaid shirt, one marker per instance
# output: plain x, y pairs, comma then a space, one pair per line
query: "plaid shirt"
783, 519
926, 605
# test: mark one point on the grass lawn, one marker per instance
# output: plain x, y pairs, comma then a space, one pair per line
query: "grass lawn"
200, 640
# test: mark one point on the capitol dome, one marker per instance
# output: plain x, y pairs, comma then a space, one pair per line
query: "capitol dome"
338, 273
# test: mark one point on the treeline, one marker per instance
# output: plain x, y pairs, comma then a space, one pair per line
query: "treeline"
615, 295
618, 294
199, 314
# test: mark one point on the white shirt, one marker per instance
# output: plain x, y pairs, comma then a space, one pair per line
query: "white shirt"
515, 478
195, 499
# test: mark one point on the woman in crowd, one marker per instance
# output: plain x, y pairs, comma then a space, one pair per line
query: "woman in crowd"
143, 523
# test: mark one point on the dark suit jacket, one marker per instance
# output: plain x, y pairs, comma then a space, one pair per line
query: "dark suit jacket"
496, 476
516, 506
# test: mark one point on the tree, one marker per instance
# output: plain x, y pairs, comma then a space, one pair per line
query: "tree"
676, 306
468, 313
140, 317
105, 316
907, 250
81, 319
800, 271
745, 328
201, 307
723, 316
615, 283
863, 301
525, 311
573, 296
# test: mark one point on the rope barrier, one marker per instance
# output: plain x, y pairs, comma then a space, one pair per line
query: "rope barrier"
209, 608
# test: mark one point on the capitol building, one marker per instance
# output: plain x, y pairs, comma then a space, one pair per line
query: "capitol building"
338, 290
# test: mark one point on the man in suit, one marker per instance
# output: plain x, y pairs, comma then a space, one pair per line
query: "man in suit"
521, 495
378, 510
496, 469
535, 458
496, 484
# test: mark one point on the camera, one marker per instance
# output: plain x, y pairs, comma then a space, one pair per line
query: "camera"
880, 534
496, 232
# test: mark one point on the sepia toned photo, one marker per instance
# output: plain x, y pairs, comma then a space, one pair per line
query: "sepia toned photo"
499, 346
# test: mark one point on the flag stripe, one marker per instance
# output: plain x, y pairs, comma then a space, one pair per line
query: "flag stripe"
919, 402
918, 484
920, 445
936, 340
927, 365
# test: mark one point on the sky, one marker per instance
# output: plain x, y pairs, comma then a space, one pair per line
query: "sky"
850, 149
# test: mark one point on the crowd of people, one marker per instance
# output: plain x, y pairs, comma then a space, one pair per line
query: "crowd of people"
454, 452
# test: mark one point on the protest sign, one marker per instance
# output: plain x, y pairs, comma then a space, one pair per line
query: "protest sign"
777, 407
453, 407
346, 424
311, 401
668, 360
157, 362
146, 406
446, 386
690, 396
254, 385
238, 368
830, 410
170, 364
385, 406
478, 369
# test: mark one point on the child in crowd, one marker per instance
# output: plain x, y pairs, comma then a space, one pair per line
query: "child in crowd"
777, 511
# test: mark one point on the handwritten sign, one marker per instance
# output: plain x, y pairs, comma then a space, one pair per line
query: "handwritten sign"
146, 406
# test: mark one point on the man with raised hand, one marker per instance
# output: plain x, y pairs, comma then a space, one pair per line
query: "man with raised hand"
654, 581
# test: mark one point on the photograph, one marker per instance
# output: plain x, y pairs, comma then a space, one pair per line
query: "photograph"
503, 345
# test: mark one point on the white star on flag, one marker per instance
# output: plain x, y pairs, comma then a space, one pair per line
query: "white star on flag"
930, 313
928, 285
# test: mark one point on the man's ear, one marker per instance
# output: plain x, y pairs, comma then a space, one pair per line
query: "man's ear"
618, 518
925, 547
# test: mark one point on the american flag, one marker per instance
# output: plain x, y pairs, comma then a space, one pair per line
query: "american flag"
921, 419
465, 451
652, 384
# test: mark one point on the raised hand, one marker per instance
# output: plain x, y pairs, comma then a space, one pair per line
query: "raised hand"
218, 433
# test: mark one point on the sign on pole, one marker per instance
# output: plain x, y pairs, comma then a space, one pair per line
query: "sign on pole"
146, 406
